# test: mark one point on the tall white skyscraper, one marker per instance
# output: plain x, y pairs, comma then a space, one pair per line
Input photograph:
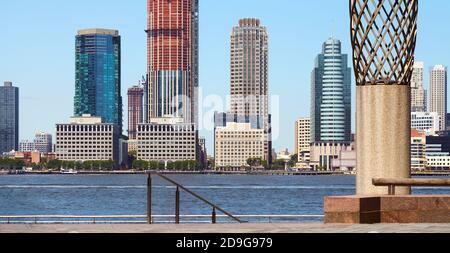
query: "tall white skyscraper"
418, 93
438, 93
250, 68
249, 87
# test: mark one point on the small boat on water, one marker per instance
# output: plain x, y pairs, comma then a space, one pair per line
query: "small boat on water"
69, 172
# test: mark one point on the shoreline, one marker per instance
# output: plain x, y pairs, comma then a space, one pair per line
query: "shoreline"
242, 173
131, 172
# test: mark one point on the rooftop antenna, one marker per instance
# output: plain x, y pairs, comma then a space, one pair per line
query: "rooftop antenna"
333, 28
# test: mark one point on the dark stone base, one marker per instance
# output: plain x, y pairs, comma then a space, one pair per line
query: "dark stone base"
387, 209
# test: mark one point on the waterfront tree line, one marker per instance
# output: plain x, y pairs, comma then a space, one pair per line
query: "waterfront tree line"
178, 166
11, 164
87, 165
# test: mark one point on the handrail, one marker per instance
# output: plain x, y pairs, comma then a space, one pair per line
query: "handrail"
391, 183
94, 219
177, 208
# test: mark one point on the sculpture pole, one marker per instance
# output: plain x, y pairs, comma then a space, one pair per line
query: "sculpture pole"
383, 35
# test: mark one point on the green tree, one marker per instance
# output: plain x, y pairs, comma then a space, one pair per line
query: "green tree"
293, 161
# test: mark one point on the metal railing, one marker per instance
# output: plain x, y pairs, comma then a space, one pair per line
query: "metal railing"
392, 183
142, 219
179, 187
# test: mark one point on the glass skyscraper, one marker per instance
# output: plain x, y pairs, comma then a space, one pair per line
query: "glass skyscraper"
98, 75
9, 118
331, 95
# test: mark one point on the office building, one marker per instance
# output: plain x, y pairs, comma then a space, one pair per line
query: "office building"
418, 150
98, 75
438, 152
173, 59
42, 143
418, 93
438, 93
221, 120
331, 95
302, 139
426, 122
9, 118
167, 140
235, 143
135, 110
133, 144
87, 138
202, 152
26, 146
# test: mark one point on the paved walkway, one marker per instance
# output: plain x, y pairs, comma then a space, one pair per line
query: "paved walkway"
229, 228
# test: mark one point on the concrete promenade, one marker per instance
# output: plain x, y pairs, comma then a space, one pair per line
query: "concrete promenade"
228, 228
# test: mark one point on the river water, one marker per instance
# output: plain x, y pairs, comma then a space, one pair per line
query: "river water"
126, 194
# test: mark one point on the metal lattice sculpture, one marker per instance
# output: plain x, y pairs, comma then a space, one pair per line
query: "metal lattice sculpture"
384, 39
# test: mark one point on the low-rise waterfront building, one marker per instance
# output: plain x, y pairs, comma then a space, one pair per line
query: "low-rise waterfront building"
346, 160
42, 142
418, 150
235, 143
26, 146
438, 152
427, 122
167, 140
256, 122
133, 145
324, 153
438, 163
284, 155
303, 139
87, 138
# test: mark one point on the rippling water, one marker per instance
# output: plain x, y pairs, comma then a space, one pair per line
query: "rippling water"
126, 194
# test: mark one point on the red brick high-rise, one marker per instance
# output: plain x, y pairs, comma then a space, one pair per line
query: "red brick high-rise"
173, 59
135, 112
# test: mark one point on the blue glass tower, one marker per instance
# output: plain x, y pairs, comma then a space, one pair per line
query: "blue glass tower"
9, 118
97, 75
331, 95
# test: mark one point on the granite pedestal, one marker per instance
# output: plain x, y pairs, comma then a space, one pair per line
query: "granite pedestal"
387, 209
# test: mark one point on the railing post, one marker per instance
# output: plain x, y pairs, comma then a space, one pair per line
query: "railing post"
149, 199
177, 206
214, 216
391, 189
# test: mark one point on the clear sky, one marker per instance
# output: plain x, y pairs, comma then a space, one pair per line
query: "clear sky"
38, 39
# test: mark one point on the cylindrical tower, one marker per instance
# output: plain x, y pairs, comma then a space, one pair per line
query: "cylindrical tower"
383, 35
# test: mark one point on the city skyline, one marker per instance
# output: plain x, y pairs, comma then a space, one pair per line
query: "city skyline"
214, 28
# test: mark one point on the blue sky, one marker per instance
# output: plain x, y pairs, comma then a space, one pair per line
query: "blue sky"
37, 49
